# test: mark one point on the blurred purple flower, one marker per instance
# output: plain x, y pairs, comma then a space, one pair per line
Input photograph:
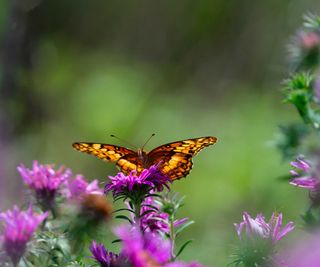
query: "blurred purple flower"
102, 256
308, 40
45, 181
79, 187
143, 249
155, 219
304, 253
18, 229
147, 180
258, 227
306, 177
183, 264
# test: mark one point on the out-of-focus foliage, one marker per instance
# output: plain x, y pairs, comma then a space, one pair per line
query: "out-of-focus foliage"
82, 70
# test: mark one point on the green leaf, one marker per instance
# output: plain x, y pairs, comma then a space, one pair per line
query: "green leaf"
123, 209
183, 247
116, 241
184, 226
123, 217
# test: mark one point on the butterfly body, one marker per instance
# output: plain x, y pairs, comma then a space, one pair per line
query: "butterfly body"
174, 159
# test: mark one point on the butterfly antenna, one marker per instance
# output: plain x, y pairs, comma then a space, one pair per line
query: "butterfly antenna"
124, 141
148, 140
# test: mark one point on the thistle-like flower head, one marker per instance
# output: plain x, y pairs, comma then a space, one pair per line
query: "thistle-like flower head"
45, 181
102, 256
136, 186
18, 229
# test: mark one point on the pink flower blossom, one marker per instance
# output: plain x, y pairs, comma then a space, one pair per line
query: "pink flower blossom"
259, 228
18, 229
79, 187
102, 256
45, 181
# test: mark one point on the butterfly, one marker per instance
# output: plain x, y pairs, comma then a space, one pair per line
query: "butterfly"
174, 159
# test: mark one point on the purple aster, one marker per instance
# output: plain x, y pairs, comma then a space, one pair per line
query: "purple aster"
102, 256
258, 227
45, 181
183, 264
18, 229
141, 249
304, 253
155, 219
79, 187
306, 176
136, 185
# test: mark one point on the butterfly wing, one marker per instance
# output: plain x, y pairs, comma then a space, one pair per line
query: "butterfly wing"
177, 157
126, 159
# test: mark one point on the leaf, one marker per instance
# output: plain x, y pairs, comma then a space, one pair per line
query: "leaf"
150, 206
123, 210
184, 226
183, 247
116, 241
123, 217
146, 212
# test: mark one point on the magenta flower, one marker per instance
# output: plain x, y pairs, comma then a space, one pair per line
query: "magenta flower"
259, 228
102, 256
79, 187
137, 186
156, 220
18, 229
304, 253
140, 248
45, 181
183, 264
306, 176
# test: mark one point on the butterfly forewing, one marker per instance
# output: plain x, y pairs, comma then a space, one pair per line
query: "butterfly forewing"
176, 157
106, 152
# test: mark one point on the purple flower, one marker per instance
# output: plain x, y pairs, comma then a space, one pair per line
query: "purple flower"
141, 249
155, 219
102, 256
18, 229
79, 187
45, 181
259, 228
137, 185
183, 264
307, 177
304, 253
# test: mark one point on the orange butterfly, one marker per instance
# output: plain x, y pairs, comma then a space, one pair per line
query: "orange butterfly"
175, 158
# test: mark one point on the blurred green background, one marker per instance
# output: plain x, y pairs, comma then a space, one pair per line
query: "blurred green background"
82, 70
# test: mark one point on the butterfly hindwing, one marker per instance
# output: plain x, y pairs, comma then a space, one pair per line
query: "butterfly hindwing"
105, 152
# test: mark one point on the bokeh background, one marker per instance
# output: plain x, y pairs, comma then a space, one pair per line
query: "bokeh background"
82, 70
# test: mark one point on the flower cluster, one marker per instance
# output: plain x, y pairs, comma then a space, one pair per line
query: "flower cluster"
259, 228
306, 176
45, 181
138, 250
19, 226
135, 186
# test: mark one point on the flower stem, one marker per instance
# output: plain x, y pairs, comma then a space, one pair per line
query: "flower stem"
172, 237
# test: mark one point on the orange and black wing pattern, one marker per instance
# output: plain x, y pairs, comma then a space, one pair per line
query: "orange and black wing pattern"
177, 157
126, 159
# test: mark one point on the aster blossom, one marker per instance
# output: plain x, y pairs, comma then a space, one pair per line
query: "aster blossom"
19, 227
78, 188
45, 181
141, 249
305, 175
155, 219
136, 185
102, 256
258, 227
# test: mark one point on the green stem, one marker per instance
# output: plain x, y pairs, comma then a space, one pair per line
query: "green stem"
137, 211
172, 237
